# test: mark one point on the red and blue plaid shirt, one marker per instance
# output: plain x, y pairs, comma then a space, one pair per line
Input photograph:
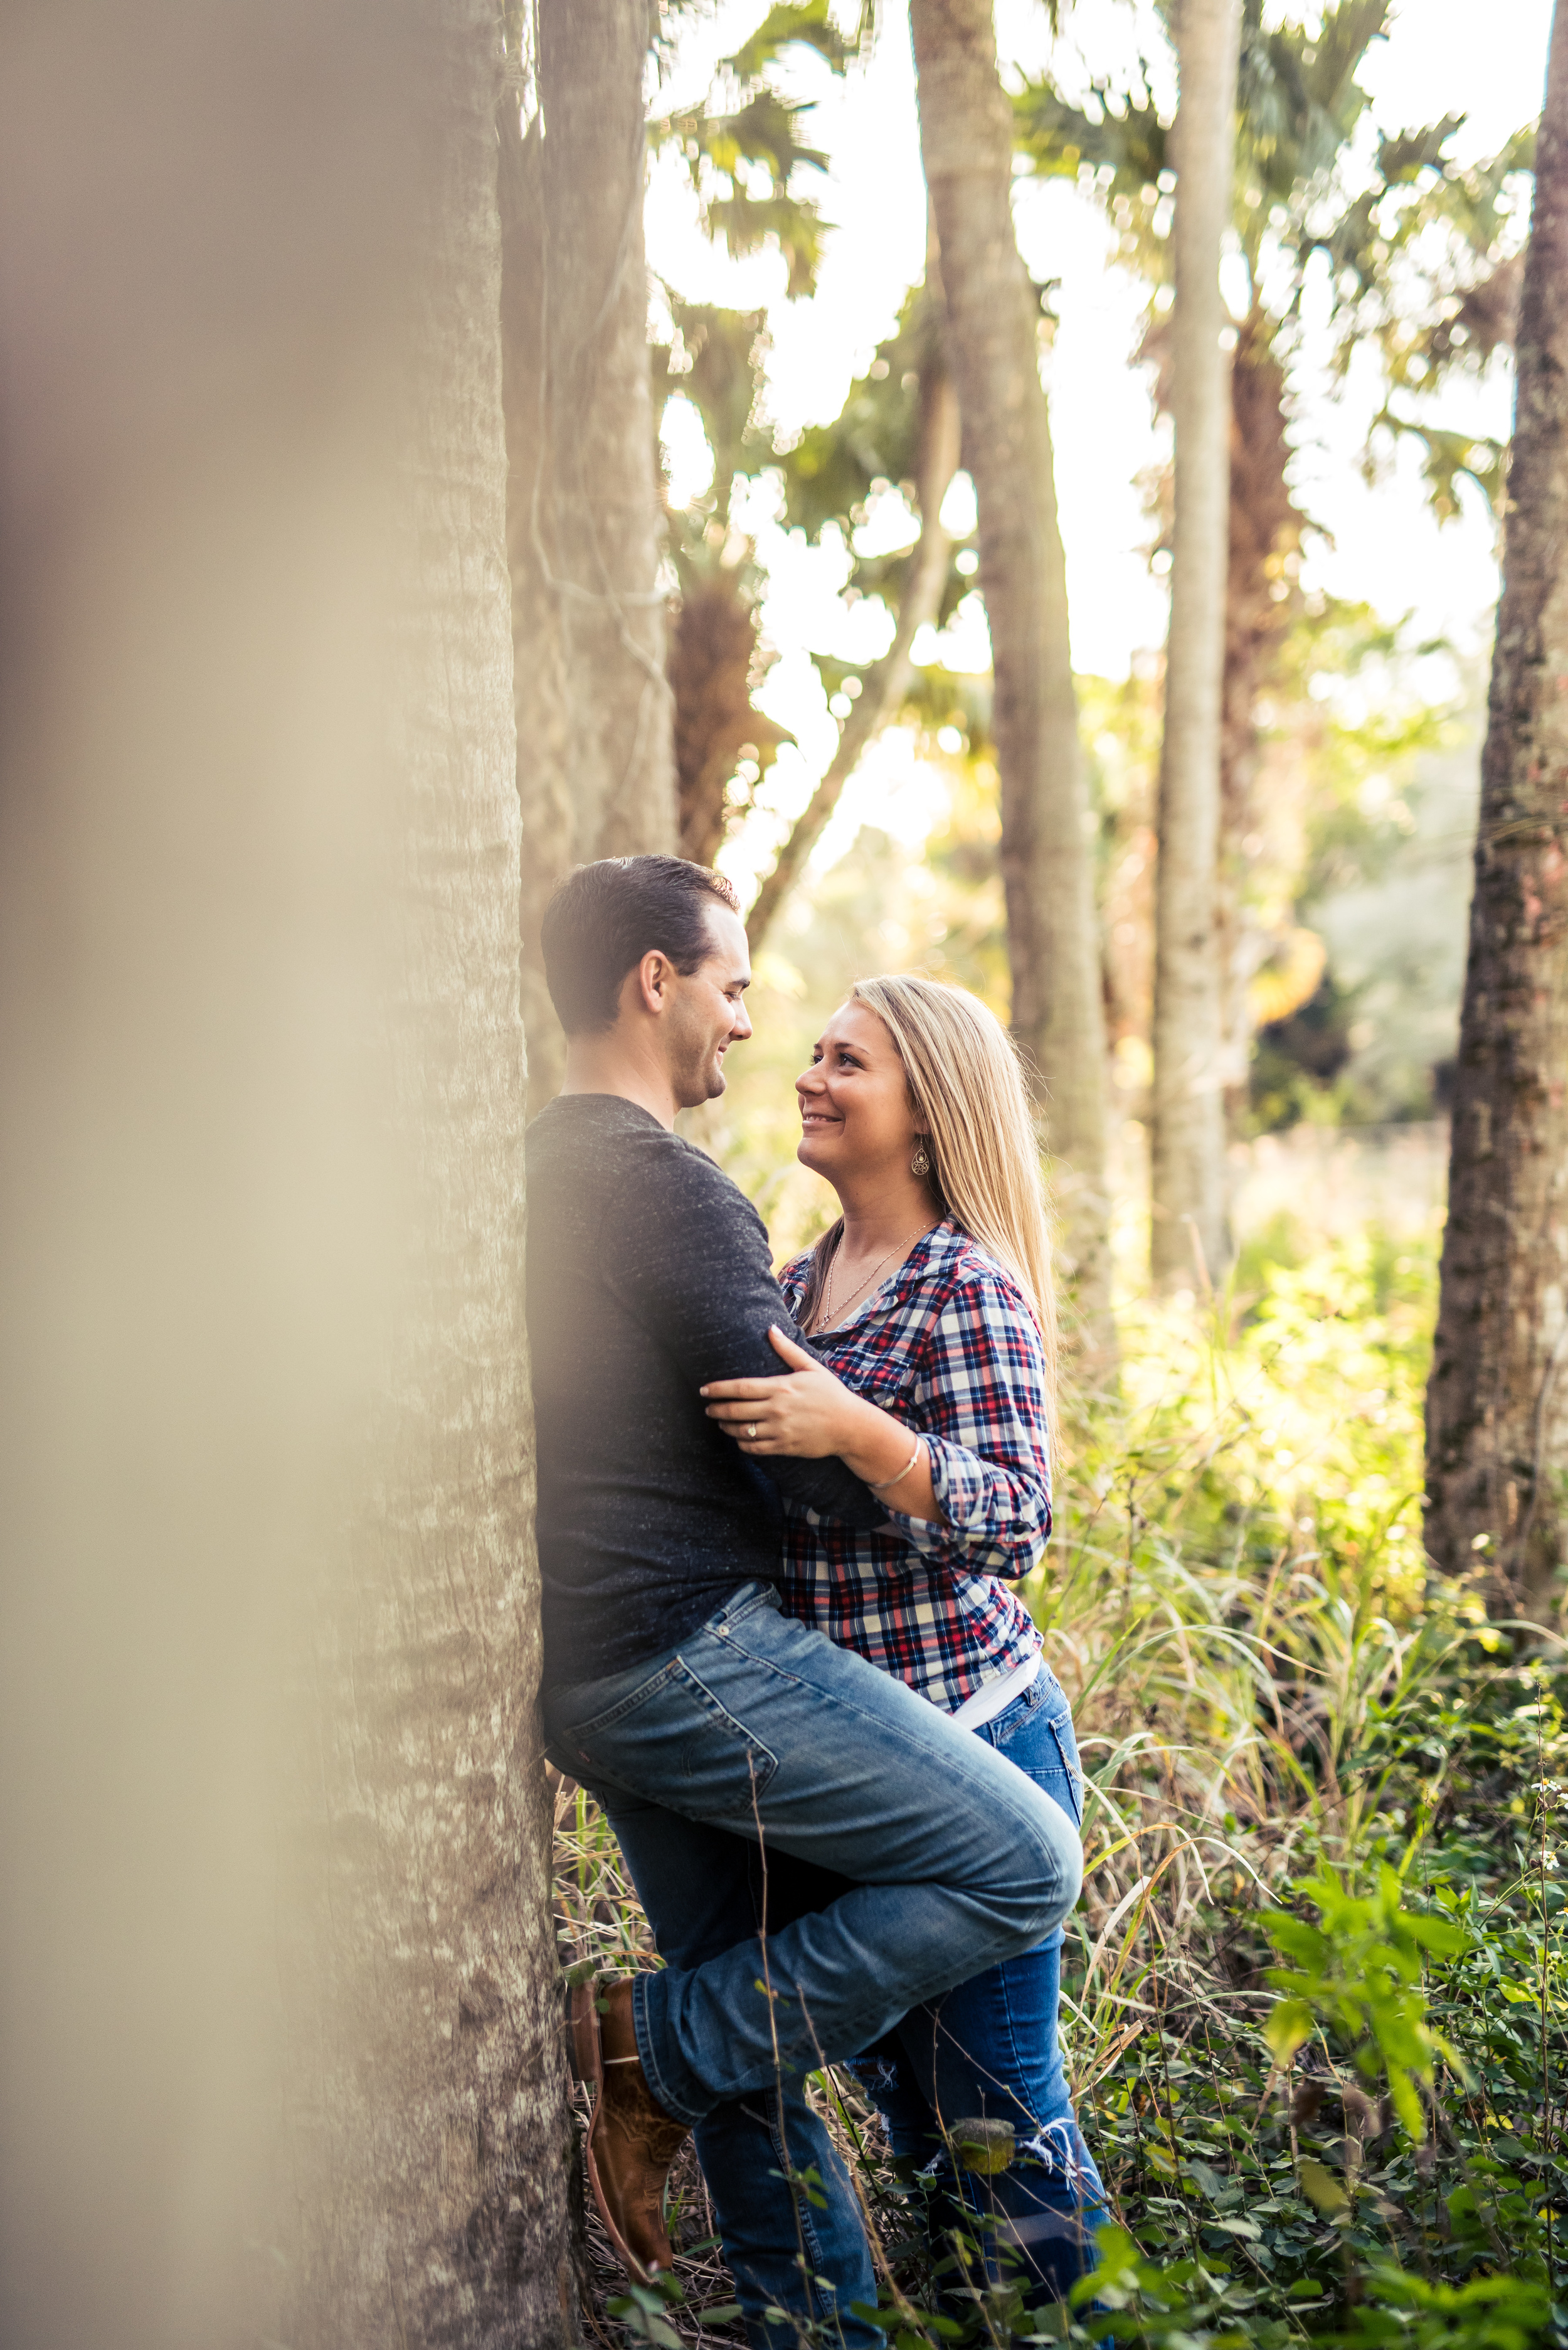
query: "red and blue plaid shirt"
948, 1346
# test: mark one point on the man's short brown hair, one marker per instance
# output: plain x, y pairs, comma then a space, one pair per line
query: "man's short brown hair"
604, 918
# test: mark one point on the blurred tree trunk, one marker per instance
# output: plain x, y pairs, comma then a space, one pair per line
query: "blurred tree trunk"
1058, 1014
1497, 1405
888, 680
278, 1982
595, 752
1189, 1140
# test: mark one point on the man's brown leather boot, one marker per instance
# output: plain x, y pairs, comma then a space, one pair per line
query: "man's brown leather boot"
632, 2141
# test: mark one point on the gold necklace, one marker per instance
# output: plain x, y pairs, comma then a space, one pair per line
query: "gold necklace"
828, 1312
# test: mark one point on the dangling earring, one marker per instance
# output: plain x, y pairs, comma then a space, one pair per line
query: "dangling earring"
920, 1164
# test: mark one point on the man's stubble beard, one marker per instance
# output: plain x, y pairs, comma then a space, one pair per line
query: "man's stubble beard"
711, 1078
699, 1079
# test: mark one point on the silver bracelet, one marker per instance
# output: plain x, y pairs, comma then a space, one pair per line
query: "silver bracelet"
882, 1483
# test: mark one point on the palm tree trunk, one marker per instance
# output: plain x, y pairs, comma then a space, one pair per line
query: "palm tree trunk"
596, 767
278, 1979
1497, 1405
1264, 526
1189, 1140
1058, 1014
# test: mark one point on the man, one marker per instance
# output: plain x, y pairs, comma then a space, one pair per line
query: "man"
816, 1847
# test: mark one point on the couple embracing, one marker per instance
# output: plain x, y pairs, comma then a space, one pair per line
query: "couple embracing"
778, 1522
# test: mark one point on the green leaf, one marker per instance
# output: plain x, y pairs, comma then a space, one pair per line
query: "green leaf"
808, 22
1321, 2187
1289, 2024
1437, 1934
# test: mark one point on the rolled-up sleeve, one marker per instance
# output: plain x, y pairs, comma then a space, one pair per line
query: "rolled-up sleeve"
980, 1399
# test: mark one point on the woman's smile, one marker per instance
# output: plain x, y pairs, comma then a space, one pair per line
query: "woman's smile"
856, 1077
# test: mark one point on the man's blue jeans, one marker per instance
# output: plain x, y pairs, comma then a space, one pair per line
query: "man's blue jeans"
989, 2050
734, 1771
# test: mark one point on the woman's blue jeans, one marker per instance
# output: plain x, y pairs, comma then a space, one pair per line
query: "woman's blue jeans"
818, 1850
989, 2050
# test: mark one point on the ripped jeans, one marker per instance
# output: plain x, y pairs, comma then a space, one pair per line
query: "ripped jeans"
989, 2050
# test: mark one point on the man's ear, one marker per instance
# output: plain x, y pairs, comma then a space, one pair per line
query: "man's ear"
649, 983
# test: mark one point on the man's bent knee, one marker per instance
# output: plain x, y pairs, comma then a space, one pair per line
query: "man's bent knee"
1041, 1878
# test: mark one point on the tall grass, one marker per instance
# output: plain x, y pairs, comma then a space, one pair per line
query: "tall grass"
1303, 1758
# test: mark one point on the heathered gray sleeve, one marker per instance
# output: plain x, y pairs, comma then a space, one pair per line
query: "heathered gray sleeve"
691, 1259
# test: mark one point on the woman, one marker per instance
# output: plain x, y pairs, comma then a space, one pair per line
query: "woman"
930, 1302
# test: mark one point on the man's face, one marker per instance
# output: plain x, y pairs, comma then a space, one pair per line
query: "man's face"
707, 1012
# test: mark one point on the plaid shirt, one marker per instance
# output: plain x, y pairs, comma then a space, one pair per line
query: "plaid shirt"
948, 1345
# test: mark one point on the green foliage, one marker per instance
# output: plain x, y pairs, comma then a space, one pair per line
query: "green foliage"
809, 23
1358, 1972
1118, 139
1489, 2313
828, 475
644, 2311
1422, 253
1298, 104
745, 162
1318, 1758
1368, 805
831, 470
715, 361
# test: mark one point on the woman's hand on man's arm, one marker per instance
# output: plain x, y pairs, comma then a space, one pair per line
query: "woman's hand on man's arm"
810, 1413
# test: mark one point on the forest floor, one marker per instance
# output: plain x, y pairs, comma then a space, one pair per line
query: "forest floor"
1313, 2005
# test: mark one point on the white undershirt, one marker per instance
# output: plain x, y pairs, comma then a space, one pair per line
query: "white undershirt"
992, 1697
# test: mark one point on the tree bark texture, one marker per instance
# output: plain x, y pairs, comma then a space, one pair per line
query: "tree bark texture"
277, 1988
595, 770
1058, 1014
1263, 529
545, 788
1497, 1404
1189, 1138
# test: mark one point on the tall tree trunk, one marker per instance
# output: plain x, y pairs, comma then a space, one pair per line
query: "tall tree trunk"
545, 781
596, 762
1264, 527
1058, 1014
1188, 1138
425, 1979
277, 1984
1497, 1405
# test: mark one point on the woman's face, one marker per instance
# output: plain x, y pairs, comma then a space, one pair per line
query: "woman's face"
855, 1111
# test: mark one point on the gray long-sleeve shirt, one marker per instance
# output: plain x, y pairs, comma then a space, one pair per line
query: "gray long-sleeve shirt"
648, 1274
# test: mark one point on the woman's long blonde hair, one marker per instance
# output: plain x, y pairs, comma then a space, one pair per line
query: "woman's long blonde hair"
967, 1091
